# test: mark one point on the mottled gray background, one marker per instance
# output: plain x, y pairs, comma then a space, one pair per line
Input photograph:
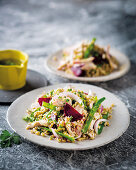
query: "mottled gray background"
42, 27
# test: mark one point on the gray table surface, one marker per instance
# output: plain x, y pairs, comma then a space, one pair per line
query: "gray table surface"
42, 27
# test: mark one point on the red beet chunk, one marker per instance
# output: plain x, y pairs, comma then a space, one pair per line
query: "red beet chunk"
77, 71
40, 100
70, 111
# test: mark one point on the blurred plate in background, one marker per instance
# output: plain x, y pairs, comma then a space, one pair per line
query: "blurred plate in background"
51, 66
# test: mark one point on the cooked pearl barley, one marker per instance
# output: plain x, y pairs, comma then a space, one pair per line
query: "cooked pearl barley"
37, 133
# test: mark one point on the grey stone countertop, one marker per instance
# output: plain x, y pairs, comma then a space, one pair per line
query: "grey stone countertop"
40, 28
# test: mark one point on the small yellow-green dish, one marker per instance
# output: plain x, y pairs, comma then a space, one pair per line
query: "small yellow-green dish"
13, 77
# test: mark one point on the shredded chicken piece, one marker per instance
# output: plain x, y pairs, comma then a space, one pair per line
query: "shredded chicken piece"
81, 110
90, 59
89, 66
62, 65
68, 127
37, 123
78, 129
112, 64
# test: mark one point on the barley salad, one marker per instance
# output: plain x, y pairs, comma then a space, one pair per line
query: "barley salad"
86, 59
68, 115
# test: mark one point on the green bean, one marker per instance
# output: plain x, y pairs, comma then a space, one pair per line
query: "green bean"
66, 136
91, 114
61, 134
90, 49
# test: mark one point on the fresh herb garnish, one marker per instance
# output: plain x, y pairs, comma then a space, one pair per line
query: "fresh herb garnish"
71, 118
67, 100
52, 92
7, 139
31, 118
26, 118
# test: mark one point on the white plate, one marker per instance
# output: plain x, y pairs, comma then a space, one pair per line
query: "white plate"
51, 66
118, 124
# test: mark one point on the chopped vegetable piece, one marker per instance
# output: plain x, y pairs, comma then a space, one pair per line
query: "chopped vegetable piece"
70, 111
91, 115
41, 100
49, 106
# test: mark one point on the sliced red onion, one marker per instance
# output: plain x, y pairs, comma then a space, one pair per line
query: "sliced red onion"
40, 100
70, 111
77, 71
101, 108
97, 124
54, 133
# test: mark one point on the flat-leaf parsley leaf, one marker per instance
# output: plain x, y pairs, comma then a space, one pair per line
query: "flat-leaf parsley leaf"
7, 139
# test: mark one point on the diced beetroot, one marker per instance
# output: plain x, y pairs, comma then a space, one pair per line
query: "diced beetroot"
40, 100
70, 111
77, 71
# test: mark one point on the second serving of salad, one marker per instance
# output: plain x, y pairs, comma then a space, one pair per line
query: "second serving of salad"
68, 114
86, 59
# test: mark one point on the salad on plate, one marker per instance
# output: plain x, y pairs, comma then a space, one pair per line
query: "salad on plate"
86, 59
68, 115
